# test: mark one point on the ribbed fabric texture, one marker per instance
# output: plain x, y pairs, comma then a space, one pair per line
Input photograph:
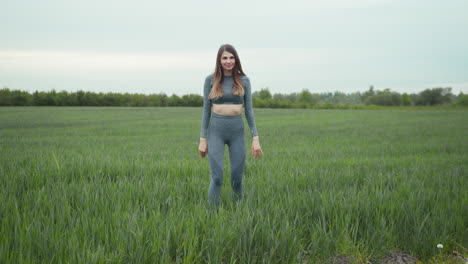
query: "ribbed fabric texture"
226, 130
228, 97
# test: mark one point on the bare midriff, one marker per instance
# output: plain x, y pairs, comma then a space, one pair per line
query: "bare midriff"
227, 109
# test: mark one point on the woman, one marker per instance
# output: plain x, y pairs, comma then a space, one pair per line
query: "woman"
225, 91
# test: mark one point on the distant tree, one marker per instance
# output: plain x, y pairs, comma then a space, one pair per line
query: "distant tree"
406, 99
159, 99
367, 94
275, 103
279, 97
435, 96
354, 99
91, 99
174, 100
107, 99
39, 98
264, 94
164, 99
51, 98
260, 103
80, 98
292, 97
62, 98
462, 99
384, 98
141, 100
305, 96
326, 96
342, 98
192, 100
20, 98
5, 97
315, 99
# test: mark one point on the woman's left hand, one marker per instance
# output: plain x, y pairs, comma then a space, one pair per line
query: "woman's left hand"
256, 149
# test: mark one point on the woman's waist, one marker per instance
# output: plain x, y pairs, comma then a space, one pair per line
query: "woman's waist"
226, 123
216, 115
227, 109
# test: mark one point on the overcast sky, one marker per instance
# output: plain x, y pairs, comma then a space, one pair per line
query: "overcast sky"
159, 46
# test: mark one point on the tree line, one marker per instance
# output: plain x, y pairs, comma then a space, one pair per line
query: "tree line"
305, 99
262, 99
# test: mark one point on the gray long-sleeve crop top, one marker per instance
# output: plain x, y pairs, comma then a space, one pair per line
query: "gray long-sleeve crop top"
227, 98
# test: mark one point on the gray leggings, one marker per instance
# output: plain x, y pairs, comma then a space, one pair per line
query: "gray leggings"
226, 130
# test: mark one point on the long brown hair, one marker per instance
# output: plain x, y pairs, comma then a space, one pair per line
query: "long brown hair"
237, 73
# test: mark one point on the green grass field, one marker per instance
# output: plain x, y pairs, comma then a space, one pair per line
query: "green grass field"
126, 185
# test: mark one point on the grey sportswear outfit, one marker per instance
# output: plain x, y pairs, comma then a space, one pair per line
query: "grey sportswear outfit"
222, 130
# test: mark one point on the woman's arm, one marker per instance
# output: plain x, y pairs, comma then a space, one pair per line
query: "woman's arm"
249, 107
203, 147
206, 107
256, 149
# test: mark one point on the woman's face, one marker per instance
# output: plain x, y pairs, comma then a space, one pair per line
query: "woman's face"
227, 61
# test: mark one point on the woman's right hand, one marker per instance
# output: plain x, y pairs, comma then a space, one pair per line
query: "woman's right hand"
203, 147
